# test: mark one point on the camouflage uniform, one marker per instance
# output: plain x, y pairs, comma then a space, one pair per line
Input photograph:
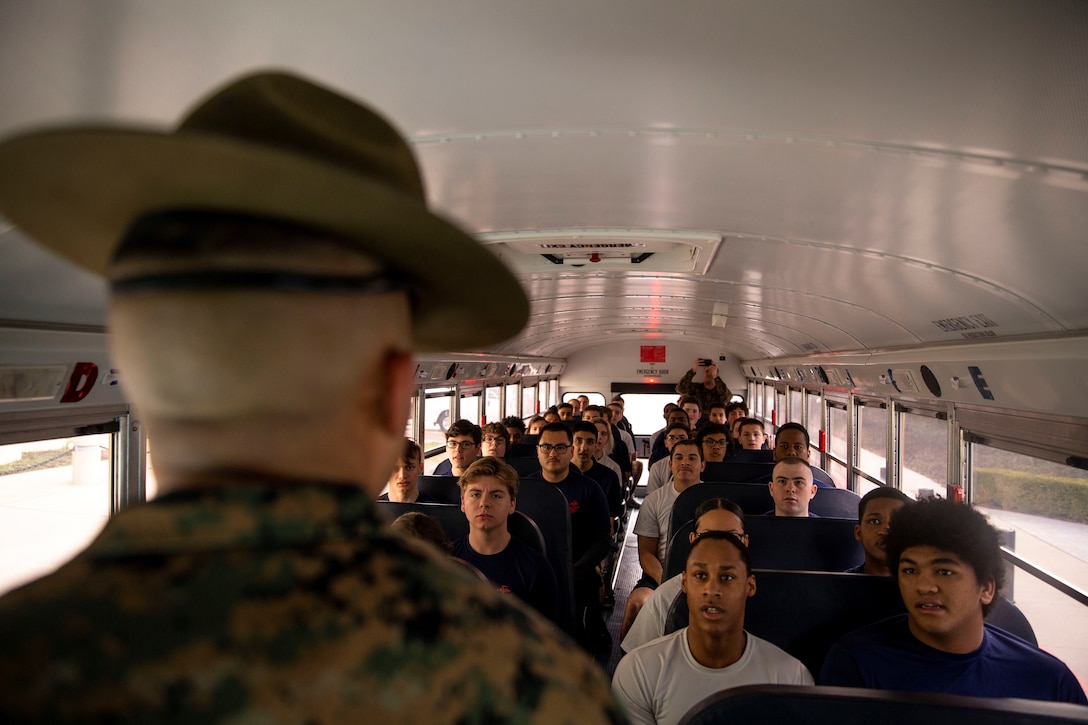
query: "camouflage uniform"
258, 603
719, 395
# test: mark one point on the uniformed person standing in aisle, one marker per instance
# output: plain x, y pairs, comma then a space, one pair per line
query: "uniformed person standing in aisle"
272, 266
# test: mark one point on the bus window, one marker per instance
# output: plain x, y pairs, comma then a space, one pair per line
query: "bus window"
54, 499
755, 401
923, 443
493, 404
410, 424
1045, 505
594, 398
470, 408
542, 393
511, 392
528, 401
814, 420
436, 417
838, 453
796, 409
643, 411
873, 442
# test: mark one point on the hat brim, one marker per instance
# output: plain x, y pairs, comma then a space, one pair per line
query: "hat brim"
76, 191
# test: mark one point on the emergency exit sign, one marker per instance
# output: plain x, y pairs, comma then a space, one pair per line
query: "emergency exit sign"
652, 353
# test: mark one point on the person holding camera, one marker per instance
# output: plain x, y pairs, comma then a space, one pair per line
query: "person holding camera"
709, 390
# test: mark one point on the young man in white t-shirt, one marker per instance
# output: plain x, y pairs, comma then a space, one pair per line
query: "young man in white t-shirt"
652, 525
714, 514
659, 682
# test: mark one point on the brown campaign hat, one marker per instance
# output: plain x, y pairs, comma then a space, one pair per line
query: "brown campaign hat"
275, 145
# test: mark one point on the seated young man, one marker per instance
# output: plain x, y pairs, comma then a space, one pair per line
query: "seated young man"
661, 681
714, 514
652, 525
660, 473
463, 445
734, 413
589, 528
792, 440
875, 511
404, 482
658, 449
714, 440
791, 488
515, 428
690, 405
585, 449
947, 562
489, 495
753, 439
717, 414
495, 440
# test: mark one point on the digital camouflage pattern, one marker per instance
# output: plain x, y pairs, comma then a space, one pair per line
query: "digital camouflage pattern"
289, 602
720, 395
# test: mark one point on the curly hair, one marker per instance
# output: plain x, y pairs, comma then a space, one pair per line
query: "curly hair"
949, 526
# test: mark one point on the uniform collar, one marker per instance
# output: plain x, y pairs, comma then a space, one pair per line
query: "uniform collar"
272, 512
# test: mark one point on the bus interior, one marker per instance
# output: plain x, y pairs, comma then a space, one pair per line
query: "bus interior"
871, 215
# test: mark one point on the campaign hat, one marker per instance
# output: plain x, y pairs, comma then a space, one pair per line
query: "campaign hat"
271, 145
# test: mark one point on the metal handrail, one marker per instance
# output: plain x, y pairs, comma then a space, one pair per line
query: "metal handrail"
1052, 579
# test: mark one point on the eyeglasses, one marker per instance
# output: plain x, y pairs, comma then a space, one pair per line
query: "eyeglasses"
714, 442
548, 447
463, 445
493, 439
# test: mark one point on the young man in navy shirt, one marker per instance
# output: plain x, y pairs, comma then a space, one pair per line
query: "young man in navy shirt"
947, 561
589, 527
489, 495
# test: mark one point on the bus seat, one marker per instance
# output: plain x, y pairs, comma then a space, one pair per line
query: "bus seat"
835, 503
523, 465
547, 506
805, 612
738, 471
443, 489
454, 523
753, 499
817, 705
521, 450
777, 542
1008, 617
451, 517
522, 526
744, 456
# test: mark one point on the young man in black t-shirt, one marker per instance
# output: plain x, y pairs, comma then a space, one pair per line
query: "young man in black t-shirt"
489, 494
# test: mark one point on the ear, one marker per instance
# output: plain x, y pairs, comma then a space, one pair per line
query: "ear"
989, 590
857, 532
684, 582
691, 537
750, 585
397, 389
814, 489
513, 505
702, 466
462, 503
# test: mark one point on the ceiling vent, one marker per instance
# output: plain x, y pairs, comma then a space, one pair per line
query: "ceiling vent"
595, 250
